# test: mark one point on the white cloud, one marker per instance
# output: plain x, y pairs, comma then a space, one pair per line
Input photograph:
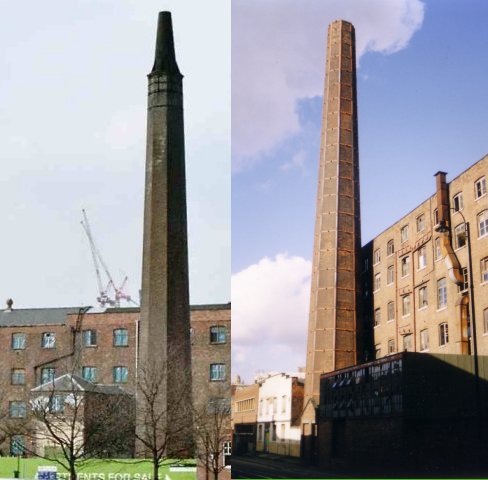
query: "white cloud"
297, 161
278, 56
270, 302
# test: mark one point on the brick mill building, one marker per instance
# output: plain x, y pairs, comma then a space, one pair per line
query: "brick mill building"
100, 345
420, 287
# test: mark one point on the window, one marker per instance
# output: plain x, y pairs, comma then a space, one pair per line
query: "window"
56, 404
48, 375
443, 334
48, 340
485, 319
390, 248
18, 341
441, 293
405, 305
436, 217
377, 317
283, 430
376, 256
460, 236
483, 223
405, 266
275, 405
464, 286
17, 445
424, 340
217, 372
391, 346
273, 432
218, 334
458, 202
390, 275
421, 223
222, 405
17, 409
260, 407
283, 404
422, 257
437, 249
121, 337
227, 450
391, 311
408, 343
260, 434
484, 270
121, 374
404, 233
89, 338
366, 264
377, 281
89, 373
18, 376
480, 187
423, 301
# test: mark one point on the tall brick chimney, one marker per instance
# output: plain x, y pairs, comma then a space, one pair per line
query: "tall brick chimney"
333, 327
164, 342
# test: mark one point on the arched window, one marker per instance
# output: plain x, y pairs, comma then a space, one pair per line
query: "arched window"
483, 223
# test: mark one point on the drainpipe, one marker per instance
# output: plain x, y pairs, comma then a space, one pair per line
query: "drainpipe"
137, 360
443, 210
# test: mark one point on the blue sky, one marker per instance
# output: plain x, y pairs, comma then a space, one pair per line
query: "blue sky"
73, 93
423, 102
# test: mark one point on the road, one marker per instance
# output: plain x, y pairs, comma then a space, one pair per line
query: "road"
260, 467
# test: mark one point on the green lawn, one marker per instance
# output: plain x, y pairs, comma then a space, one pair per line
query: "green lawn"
95, 469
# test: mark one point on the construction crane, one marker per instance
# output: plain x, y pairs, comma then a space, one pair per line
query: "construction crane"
104, 294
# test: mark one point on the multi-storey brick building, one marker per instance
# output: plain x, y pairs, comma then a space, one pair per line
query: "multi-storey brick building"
417, 276
101, 346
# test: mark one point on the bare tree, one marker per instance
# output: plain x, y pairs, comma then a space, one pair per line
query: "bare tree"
11, 424
73, 420
212, 431
161, 430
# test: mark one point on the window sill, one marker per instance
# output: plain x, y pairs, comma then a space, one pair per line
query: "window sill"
441, 309
390, 321
443, 346
390, 284
405, 316
90, 346
421, 309
481, 196
459, 248
405, 276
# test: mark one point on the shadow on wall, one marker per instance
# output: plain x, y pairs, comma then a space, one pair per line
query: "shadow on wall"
407, 414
